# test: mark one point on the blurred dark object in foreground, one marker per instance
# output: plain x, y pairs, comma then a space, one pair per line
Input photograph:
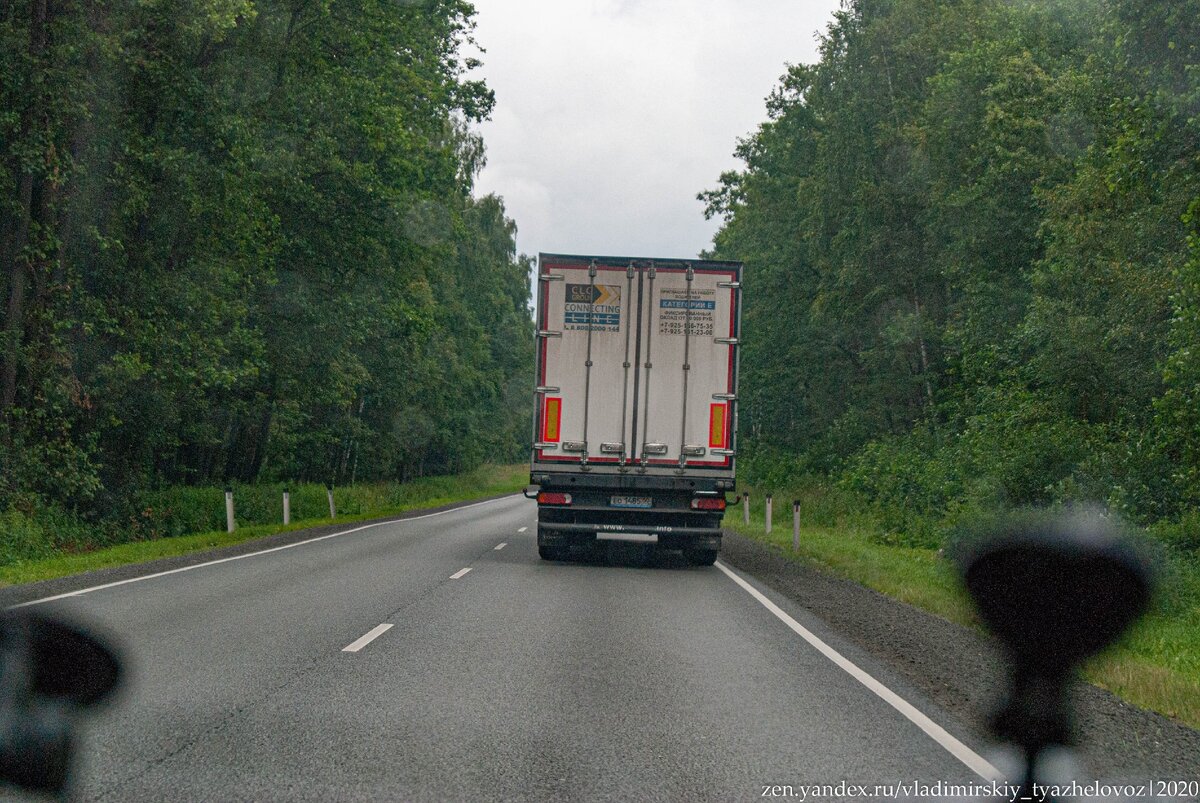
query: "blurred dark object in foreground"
1055, 589
50, 671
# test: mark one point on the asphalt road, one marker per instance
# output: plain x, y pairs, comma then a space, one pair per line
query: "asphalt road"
517, 680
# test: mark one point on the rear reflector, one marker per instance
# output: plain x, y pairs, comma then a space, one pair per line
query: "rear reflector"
717, 434
708, 503
551, 498
552, 420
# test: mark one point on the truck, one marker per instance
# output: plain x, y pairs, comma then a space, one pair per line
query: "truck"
635, 403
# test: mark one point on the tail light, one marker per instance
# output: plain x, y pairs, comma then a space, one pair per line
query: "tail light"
553, 498
708, 503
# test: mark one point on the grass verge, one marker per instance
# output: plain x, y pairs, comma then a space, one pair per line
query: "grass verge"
1156, 666
354, 503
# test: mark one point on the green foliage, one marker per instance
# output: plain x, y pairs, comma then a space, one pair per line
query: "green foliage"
1182, 536
1179, 407
45, 532
49, 543
239, 243
972, 256
23, 537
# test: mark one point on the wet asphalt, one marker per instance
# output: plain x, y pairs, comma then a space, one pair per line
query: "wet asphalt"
618, 677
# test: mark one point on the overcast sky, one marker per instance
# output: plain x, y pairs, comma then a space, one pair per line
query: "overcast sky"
612, 114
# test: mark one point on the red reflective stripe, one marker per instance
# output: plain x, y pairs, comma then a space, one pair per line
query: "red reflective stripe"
552, 420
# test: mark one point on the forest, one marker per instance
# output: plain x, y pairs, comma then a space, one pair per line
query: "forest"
972, 243
239, 243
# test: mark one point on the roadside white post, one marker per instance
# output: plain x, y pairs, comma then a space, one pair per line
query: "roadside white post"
332, 507
746, 509
796, 525
287, 507
768, 514
229, 523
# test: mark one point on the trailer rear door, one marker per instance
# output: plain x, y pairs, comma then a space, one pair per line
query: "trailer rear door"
637, 363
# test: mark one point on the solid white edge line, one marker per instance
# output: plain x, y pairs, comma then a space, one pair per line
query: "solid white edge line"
500, 546
250, 554
367, 638
460, 573
966, 755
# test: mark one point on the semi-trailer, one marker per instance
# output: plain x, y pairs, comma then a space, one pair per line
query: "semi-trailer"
635, 413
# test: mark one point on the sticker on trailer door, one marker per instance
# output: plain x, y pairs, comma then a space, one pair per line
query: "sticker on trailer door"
676, 310
598, 304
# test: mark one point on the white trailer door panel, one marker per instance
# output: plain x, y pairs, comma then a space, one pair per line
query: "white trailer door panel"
687, 367
636, 363
587, 320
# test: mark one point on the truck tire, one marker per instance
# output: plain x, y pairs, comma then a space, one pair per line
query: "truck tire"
701, 557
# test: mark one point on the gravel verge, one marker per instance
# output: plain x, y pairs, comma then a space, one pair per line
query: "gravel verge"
962, 670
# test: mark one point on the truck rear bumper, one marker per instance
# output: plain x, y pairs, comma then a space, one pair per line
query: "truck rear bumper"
671, 537
601, 529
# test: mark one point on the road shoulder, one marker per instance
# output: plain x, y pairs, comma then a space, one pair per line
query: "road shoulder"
27, 592
959, 669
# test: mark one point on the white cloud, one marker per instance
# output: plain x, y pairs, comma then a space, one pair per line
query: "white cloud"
612, 114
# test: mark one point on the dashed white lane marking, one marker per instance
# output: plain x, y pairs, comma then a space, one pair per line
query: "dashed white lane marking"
500, 546
460, 573
367, 638
935, 731
523, 529
250, 554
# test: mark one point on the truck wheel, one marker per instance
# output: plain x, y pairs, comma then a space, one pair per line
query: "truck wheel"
701, 557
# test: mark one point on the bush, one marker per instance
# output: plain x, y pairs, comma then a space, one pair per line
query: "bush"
761, 465
908, 486
39, 534
1015, 450
1181, 536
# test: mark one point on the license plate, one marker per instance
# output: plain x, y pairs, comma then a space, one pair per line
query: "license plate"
631, 538
631, 501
